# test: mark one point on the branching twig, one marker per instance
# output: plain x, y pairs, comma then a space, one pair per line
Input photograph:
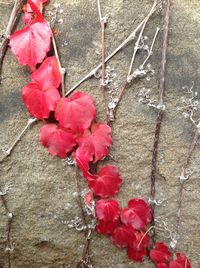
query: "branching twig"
5, 38
10, 149
130, 77
160, 112
122, 45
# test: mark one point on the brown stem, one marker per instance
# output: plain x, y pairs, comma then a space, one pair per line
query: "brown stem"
5, 38
183, 178
160, 113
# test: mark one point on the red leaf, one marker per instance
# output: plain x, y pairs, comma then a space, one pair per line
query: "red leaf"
180, 262
136, 255
31, 44
83, 163
138, 214
106, 183
106, 227
140, 242
160, 253
161, 265
123, 236
48, 74
39, 102
96, 142
59, 141
107, 210
77, 112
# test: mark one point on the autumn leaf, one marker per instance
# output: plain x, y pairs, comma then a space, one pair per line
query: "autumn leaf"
106, 183
76, 112
123, 236
95, 142
107, 210
58, 140
138, 214
107, 227
48, 74
160, 253
181, 261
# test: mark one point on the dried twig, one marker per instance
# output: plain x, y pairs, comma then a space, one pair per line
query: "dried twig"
10, 149
5, 38
130, 77
160, 112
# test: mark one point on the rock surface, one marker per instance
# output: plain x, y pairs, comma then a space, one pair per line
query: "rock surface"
43, 195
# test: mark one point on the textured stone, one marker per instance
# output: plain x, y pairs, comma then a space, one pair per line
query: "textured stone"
43, 196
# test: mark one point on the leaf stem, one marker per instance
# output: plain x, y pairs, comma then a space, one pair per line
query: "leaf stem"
62, 70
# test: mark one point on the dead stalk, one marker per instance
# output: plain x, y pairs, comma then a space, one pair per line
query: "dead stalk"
10, 149
5, 38
160, 112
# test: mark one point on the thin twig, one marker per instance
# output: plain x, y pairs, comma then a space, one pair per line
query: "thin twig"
151, 48
137, 44
122, 45
62, 70
5, 38
160, 112
10, 149
136, 48
9, 225
184, 177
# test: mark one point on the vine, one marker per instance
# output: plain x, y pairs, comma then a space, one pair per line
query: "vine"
71, 128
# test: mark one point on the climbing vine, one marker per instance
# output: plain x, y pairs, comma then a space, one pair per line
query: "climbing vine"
71, 128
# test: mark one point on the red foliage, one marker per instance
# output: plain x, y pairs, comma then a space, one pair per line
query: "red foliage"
181, 261
136, 255
161, 265
106, 183
160, 253
40, 102
138, 214
76, 112
95, 142
31, 44
107, 210
123, 236
48, 74
106, 227
58, 140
